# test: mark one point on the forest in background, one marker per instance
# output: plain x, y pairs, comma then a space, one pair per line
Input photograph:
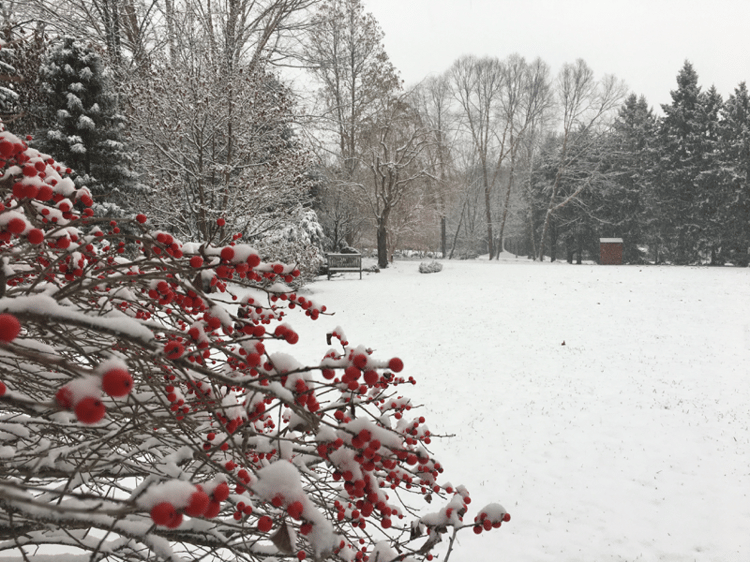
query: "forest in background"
182, 106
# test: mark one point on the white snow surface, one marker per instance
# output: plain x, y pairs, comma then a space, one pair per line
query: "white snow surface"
629, 442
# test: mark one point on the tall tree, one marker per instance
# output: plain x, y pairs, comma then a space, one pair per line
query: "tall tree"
345, 53
477, 85
432, 99
527, 97
397, 140
586, 105
686, 170
626, 211
735, 163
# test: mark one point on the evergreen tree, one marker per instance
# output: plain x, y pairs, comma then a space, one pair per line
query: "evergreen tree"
625, 210
687, 168
711, 194
82, 127
734, 208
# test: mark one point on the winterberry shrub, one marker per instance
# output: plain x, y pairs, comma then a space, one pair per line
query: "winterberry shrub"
149, 408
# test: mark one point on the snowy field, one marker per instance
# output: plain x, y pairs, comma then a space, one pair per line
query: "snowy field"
630, 442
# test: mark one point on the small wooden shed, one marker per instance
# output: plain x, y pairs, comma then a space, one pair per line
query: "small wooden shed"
610, 251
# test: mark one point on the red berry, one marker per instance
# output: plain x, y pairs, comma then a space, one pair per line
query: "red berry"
227, 253
3, 388
199, 501
6, 149
506, 517
221, 222
265, 524
141, 218
45, 193
196, 261
396, 365
292, 337
253, 260
174, 350
212, 510
35, 236
360, 361
90, 410
16, 225
117, 382
221, 492
371, 377
478, 529
64, 398
10, 327
295, 510
166, 515
278, 268
301, 555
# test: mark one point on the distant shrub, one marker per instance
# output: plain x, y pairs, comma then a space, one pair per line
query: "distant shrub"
430, 267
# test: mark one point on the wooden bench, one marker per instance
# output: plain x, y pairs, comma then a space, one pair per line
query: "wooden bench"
344, 262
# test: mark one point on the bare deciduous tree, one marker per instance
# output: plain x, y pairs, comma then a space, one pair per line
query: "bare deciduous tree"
585, 104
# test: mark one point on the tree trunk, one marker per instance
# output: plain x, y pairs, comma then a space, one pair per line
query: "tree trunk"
507, 201
443, 237
382, 246
488, 216
552, 240
382, 238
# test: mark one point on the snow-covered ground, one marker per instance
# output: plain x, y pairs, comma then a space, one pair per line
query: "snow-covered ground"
630, 442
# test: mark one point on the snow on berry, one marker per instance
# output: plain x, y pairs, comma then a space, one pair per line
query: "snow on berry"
76, 390
197, 503
177, 492
281, 478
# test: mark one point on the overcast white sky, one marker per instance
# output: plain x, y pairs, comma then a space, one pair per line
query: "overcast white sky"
643, 42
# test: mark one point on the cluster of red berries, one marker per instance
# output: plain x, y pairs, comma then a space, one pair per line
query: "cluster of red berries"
483, 522
88, 406
200, 504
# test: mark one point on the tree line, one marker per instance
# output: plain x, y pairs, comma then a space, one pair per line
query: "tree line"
189, 99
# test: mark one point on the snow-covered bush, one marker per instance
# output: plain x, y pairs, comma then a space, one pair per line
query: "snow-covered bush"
149, 408
299, 240
430, 267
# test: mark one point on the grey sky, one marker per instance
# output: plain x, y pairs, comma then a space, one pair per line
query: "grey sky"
643, 42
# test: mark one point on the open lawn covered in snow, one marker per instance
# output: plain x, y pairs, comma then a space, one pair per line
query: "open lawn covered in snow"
629, 442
